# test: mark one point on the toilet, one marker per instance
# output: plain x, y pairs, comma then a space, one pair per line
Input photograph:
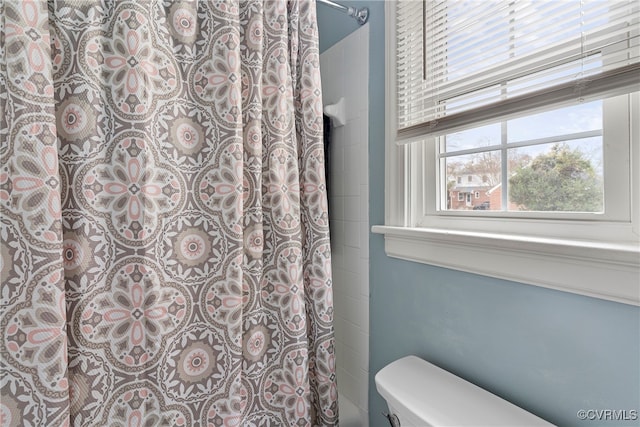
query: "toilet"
420, 394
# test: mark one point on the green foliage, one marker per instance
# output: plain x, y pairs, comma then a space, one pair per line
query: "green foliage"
561, 180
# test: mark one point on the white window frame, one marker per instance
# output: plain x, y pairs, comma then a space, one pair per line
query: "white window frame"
604, 262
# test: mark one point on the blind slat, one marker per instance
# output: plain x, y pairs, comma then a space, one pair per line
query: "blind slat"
486, 55
609, 83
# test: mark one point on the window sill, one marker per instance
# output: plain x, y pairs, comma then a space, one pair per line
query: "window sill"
600, 270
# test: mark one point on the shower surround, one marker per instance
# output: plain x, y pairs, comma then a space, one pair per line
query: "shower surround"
345, 73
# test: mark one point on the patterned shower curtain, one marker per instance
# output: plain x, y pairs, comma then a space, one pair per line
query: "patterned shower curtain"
165, 253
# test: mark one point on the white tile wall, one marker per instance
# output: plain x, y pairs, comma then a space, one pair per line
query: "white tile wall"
345, 73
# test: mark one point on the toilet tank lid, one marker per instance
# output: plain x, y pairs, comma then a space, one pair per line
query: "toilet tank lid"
438, 397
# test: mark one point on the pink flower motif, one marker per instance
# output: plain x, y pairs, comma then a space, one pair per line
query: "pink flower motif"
256, 343
283, 287
134, 315
284, 189
217, 79
184, 22
26, 31
277, 91
138, 70
132, 310
131, 61
132, 187
71, 254
131, 190
222, 189
30, 181
193, 247
142, 407
290, 386
197, 361
36, 335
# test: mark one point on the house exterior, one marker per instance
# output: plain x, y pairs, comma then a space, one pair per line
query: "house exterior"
468, 191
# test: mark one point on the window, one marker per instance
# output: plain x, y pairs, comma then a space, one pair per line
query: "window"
552, 162
536, 103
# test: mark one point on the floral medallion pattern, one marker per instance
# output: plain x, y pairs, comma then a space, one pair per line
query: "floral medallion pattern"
87, 251
15, 262
313, 188
131, 189
283, 190
277, 81
26, 30
187, 133
33, 347
13, 409
194, 248
165, 250
262, 342
216, 79
134, 316
287, 386
83, 120
323, 386
281, 289
221, 188
29, 179
34, 339
318, 274
223, 301
186, 26
129, 61
309, 104
228, 409
143, 405
90, 379
195, 365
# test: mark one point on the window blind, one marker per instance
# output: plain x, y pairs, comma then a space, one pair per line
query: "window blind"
463, 63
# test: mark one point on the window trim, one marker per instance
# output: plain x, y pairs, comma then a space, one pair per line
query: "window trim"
596, 268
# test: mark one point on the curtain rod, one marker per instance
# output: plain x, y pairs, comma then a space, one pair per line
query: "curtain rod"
360, 15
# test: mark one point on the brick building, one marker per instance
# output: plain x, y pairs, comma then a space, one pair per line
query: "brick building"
468, 191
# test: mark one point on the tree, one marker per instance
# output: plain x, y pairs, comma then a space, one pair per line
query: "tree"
561, 180
487, 165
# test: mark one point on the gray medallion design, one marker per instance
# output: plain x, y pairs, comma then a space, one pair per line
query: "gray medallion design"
187, 133
195, 364
194, 248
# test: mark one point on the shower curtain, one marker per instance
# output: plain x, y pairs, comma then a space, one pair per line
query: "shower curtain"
165, 253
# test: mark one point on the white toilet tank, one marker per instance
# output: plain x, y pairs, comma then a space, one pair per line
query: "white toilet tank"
420, 394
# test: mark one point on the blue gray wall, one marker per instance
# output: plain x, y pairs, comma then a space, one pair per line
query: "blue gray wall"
334, 25
550, 352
